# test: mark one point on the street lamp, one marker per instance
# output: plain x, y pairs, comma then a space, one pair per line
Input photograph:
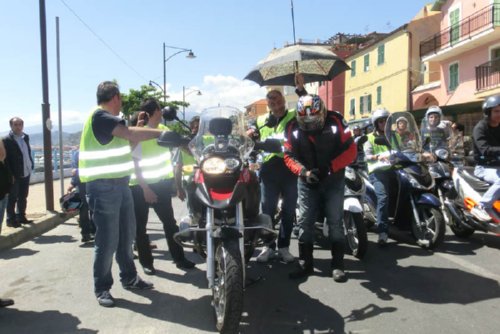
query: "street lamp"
190, 55
190, 90
153, 83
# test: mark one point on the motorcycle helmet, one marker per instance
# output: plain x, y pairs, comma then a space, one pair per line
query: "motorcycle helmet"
434, 110
490, 103
356, 127
71, 202
377, 114
402, 119
311, 113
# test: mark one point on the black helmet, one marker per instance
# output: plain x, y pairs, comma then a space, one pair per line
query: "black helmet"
490, 103
71, 202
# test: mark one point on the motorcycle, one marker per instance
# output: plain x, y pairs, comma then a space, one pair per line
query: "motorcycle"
412, 201
229, 192
465, 193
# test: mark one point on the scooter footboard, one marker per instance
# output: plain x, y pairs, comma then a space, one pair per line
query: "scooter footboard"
352, 204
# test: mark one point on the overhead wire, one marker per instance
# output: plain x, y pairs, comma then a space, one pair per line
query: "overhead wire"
103, 41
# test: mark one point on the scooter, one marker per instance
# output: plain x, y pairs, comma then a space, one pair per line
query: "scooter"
412, 204
232, 227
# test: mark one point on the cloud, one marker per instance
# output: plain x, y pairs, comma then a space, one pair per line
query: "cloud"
221, 90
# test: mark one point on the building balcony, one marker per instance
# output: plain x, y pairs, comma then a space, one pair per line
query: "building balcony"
488, 75
473, 31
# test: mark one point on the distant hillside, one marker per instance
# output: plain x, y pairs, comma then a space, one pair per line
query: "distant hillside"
69, 139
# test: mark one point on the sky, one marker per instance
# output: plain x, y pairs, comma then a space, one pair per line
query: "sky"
123, 40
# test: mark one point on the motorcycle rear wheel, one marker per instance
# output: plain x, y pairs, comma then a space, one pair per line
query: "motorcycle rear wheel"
430, 234
227, 292
356, 235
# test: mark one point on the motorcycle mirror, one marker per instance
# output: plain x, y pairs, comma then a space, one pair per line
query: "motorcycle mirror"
169, 113
382, 141
269, 145
171, 139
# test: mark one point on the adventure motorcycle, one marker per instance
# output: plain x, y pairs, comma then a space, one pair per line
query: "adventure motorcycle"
229, 192
411, 202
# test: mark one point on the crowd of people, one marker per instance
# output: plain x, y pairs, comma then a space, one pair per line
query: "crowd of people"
121, 172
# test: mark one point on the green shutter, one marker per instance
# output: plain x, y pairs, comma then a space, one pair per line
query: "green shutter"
361, 105
367, 62
352, 110
454, 26
369, 103
453, 77
496, 13
381, 54
353, 68
379, 95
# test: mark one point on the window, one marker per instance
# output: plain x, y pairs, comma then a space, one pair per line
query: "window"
381, 54
496, 13
379, 95
453, 76
352, 109
365, 104
454, 26
366, 63
353, 68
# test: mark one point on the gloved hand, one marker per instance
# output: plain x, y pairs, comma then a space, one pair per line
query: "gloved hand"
312, 176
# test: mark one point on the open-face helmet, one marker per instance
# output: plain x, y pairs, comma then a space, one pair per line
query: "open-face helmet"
311, 113
433, 110
378, 114
490, 103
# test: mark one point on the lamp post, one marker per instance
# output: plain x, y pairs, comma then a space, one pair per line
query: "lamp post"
153, 83
190, 55
190, 90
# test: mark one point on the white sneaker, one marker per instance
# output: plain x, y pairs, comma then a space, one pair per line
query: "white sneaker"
266, 254
284, 254
382, 238
480, 214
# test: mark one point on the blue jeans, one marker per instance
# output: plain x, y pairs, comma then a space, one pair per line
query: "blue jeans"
492, 176
3, 205
113, 207
277, 180
326, 196
382, 181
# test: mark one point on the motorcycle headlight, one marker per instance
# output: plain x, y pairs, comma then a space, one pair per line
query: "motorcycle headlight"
216, 165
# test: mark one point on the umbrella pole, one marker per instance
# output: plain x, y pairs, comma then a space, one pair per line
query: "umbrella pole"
293, 24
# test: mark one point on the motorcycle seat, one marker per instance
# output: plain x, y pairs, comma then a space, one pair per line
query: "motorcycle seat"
467, 173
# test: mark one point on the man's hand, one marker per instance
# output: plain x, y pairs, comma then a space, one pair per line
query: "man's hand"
181, 194
149, 195
312, 176
142, 119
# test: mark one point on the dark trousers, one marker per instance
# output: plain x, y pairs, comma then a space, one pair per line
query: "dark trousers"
277, 180
164, 210
18, 196
86, 224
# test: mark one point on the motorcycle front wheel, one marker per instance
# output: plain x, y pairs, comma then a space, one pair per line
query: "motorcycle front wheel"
227, 292
355, 231
430, 228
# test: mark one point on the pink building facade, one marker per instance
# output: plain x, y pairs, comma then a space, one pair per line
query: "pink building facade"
461, 62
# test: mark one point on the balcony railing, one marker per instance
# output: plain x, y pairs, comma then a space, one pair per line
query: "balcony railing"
488, 75
482, 20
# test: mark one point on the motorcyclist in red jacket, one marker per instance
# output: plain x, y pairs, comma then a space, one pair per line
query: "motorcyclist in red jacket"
318, 147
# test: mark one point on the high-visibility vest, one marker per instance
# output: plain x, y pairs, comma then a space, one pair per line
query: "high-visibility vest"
97, 161
155, 163
377, 149
188, 164
277, 132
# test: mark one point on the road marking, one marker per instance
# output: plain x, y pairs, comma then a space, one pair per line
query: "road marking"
470, 266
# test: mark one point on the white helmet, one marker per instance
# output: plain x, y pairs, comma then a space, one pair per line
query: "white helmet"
402, 119
379, 113
434, 110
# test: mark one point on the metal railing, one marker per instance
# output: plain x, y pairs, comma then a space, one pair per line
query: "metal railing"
488, 75
482, 20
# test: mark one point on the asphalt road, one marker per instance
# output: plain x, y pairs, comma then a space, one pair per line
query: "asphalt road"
399, 289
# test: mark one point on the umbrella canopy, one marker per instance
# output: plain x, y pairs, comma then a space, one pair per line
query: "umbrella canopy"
314, 62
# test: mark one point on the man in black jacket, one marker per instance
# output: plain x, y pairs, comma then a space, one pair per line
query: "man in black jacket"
486, 135
20, 164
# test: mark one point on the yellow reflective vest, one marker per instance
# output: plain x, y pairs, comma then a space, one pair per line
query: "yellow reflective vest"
377, 149
155, 163
277, 132
97, 161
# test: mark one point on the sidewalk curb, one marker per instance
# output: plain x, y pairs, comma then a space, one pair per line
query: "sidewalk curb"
28, 232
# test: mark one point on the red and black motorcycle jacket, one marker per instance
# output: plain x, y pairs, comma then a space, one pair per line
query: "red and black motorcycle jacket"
328, 150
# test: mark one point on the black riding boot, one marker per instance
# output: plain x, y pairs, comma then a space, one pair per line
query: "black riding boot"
338, 262
305, 267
